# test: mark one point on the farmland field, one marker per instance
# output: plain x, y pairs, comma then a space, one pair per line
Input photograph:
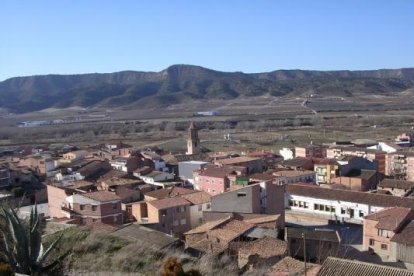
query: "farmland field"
260, 122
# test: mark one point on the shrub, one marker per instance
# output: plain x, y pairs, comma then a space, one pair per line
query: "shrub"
6, 269
17, 192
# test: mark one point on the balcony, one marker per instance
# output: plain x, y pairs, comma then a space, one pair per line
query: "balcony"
66, 209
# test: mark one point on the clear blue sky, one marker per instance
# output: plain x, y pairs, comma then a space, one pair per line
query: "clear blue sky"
79, 36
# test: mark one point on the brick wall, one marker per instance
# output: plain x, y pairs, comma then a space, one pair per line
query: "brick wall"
56, 197
213, 185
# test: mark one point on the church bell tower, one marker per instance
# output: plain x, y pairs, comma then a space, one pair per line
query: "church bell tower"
193, 143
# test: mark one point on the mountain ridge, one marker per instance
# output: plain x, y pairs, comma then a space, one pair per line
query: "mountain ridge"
180, 83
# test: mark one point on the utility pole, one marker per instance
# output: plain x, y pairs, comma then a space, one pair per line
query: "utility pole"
304, 250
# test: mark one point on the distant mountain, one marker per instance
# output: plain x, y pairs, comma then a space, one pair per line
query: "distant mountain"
181, 83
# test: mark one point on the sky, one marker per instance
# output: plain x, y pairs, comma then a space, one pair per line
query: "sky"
79, 36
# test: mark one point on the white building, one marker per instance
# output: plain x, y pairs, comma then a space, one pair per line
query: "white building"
340, 205
287, 153
68, 177
387, 147
119, 164
156, 176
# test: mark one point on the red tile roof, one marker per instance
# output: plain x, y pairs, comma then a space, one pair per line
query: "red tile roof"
343, 267
289, 266
102, 196
378, 200
390, 218
166, 203
207, 226
398, 184
266, 247
197, 197
231, 230
236, 160
406, 235
169, 192
219, 172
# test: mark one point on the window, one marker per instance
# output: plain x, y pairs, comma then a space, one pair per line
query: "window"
321, 207
208, 206
301, 204
327, 208
295, 203
163, 212
241, 194
306, 205
384, 246
82, 207
371, 242
343, 211
361, 213
290, 203
332, 209
382, 233
315, 206
94, 207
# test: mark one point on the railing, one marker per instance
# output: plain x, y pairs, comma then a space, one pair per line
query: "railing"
66, 209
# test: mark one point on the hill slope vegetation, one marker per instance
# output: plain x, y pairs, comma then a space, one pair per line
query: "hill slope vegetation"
181, 83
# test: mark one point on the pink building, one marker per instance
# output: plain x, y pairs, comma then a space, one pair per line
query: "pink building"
39, 164
380, 228
310, 151
84, 208
217, 180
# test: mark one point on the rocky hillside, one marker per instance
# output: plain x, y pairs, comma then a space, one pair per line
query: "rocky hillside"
180, 83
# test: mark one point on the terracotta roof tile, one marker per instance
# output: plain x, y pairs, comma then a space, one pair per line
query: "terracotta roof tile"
197, 197
169, 192
393, 183
293, 173
262, 176
213, 171
231, 230
390, 218
263, 219
236, 160
112, 174
102, 196
207, 246
343, 267
207, 226
168, 203
266, 247
406, 235
290, 266
378, 200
